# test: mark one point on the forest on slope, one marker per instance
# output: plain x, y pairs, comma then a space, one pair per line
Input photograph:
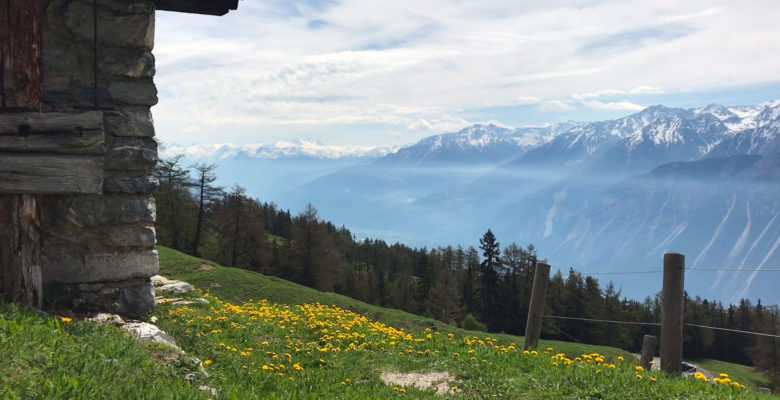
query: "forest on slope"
491, 283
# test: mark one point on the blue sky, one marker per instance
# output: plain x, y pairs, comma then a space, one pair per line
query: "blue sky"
378, 73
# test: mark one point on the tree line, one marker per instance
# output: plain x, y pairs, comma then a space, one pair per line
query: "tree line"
483, 288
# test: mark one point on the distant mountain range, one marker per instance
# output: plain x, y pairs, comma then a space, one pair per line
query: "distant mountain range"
597, 196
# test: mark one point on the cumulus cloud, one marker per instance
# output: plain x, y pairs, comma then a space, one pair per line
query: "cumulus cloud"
528, 100
555, 105
288, 69
613, 106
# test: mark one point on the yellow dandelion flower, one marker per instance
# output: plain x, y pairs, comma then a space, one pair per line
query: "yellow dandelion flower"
66, 320
638, 376
620, 358
639, 368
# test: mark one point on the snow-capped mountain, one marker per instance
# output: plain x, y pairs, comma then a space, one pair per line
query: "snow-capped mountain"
480, 144
280, 149
582, 193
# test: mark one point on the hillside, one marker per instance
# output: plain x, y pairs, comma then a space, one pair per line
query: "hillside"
294, 342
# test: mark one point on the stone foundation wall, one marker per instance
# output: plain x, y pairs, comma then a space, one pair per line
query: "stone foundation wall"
99, 249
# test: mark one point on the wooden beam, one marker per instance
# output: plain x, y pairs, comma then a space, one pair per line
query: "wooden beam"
26, 123
208, 7
21, 54
50, 174
91, 143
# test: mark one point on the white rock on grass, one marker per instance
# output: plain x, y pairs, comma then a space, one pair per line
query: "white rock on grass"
109, 319
176, 287
159, 280
147, 331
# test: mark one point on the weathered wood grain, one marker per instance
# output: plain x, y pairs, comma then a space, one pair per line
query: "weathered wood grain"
26, 123
20, 221
50, 174
93, 143
23, 80
5, 47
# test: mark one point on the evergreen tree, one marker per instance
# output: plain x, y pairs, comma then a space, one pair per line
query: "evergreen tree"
206, 192
489, 268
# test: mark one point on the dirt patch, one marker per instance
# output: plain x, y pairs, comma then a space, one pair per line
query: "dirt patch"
205, 267
439, 382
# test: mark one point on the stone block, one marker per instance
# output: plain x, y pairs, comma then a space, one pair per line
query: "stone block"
130, 184
129, 123
128, 63
135, 301
134, 92
131, 154
131, 236
125, 29
85, 211
103, 267
129, 6
115, 267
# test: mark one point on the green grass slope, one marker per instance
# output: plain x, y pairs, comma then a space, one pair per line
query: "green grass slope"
238, 285
265, 338
44, 357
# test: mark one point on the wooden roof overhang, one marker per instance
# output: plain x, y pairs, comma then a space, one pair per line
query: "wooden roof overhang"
208, 7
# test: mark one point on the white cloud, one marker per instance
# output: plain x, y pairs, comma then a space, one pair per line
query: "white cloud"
555, 105
643, 89
613, 106
528, 100
283, 70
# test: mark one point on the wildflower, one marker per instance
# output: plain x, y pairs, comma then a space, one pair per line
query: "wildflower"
639, 368
207, 362
652, 379
555, 364
66, 319
620, 358
297, 367
534, 352
638, 376
598, 371
454, 388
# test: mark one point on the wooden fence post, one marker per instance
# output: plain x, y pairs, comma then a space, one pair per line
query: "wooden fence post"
649, 344
533, 326
672, 313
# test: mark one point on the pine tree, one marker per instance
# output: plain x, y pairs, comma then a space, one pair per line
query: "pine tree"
205, 193
489, 278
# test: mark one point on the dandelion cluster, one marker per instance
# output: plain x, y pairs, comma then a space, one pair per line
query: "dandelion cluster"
288, 343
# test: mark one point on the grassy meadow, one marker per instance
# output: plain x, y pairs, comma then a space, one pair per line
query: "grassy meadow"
259, 337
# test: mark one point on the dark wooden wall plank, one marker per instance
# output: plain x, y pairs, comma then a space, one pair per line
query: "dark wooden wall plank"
50, 174
91, 142
22, 75
5, 46
12, 124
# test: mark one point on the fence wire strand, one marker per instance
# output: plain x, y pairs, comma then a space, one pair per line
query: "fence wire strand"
658, 324
561, 331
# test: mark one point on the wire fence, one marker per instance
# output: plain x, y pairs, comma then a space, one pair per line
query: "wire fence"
658, 324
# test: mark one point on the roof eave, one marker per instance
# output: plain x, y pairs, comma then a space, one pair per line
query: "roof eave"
207, 7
